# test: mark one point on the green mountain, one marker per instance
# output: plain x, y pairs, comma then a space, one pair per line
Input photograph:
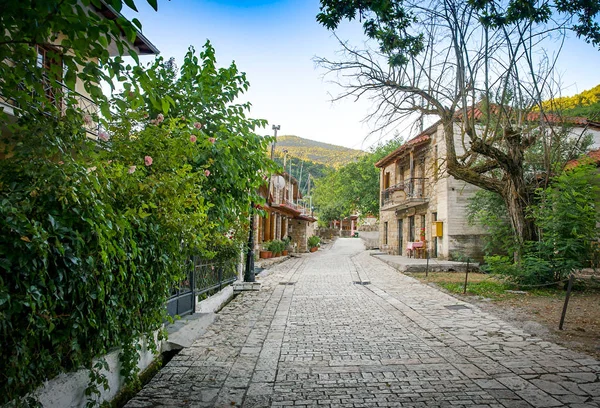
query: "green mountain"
316, 152
586, 104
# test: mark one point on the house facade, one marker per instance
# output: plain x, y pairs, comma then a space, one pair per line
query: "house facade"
49, 60
286, 214
423, 210
421, 207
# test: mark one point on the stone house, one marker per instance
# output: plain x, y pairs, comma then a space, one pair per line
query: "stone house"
423, 208
286, 214
421, 204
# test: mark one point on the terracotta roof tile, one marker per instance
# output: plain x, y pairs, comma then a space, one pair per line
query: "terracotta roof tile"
415, 141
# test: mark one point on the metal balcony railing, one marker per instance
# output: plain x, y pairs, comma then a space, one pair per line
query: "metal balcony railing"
58, 96
414, 191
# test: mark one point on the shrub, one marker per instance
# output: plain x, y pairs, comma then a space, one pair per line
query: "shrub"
314, 241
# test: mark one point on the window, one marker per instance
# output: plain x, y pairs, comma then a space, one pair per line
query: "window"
386, 180
385, 233
50, 61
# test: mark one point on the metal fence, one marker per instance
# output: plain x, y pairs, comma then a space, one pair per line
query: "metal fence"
204, 277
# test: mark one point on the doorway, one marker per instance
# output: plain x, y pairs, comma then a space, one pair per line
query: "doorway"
400, 234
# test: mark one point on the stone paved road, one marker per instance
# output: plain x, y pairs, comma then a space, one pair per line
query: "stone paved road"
313, 337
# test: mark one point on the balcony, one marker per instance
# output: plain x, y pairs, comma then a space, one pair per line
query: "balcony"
57, 95
409, 193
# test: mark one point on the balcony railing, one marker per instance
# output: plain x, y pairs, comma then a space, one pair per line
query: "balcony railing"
58, 96
413, 193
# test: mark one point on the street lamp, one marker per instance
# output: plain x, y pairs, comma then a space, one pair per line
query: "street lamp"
249, 273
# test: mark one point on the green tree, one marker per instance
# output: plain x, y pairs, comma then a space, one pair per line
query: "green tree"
353, 187
202, 96
568, 215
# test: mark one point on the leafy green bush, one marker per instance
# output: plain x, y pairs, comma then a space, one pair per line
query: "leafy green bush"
87, 255
488, 209
567, 215
313, 241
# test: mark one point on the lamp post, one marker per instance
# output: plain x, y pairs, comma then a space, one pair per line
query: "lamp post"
249, 273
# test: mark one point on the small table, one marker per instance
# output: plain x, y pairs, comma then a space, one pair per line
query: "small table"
411, 247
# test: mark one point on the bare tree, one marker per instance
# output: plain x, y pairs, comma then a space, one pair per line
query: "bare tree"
485, 83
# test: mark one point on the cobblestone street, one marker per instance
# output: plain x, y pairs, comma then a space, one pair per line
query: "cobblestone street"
341, 328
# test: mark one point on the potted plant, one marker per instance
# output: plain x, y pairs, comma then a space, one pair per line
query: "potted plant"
313, 243
275, 248
286, 245
265, 252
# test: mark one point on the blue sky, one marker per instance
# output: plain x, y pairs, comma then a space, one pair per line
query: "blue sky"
274, 42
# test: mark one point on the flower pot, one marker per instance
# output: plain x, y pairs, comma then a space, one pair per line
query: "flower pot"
276, 254
265, 254
285, 252
313, 249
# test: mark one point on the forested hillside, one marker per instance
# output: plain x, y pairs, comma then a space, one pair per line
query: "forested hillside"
586, 104
317, 152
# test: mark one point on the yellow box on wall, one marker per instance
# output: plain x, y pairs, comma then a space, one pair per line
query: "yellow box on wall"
437, 229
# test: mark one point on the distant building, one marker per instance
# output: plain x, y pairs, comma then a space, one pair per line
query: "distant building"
286, 214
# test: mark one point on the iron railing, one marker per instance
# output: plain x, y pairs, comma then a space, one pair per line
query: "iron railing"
58, 96
203, 277
414, 190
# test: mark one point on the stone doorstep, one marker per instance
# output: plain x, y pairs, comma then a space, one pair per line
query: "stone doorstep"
246, 286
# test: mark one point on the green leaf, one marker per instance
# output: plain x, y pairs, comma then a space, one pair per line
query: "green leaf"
131, 5
154, 4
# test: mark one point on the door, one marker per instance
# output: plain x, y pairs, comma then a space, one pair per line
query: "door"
400, 234
411, 228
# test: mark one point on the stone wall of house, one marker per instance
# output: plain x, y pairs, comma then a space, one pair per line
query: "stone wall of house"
300, 230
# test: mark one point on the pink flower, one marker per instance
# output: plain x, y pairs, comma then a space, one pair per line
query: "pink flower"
90, 169
198, 125
212, 140
87, 119
61, 162
131, 169
160, 118
193, 139
103, 136
214, 189
146, 115
207, 172
148, 161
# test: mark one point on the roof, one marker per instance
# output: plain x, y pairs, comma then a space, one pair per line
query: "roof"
141, 43
592, 157
477, 113
418, 140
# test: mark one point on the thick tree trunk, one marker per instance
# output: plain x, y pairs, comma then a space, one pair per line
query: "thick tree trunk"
517, 199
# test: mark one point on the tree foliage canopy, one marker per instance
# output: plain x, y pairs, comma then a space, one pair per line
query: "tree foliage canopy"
352, 188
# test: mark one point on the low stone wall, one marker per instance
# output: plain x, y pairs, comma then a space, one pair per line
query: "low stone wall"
327, 233
369, 228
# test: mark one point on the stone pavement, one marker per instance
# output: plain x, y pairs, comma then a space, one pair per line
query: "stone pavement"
339, 328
